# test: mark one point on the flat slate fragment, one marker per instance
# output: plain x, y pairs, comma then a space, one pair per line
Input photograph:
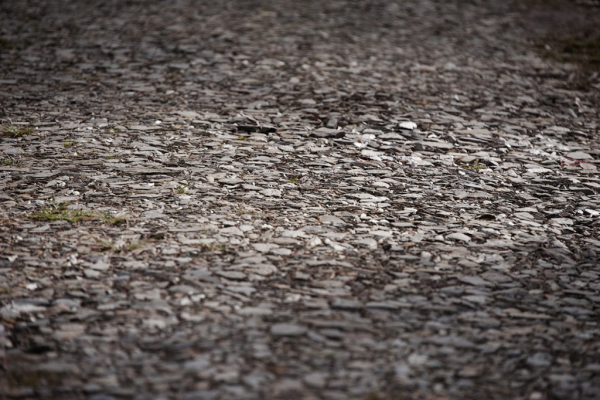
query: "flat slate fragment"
288, 330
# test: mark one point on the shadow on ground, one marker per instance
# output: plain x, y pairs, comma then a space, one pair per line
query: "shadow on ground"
566, 31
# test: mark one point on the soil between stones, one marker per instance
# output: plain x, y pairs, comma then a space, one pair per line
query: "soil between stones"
274, 200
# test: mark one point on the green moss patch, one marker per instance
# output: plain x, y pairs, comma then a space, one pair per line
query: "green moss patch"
61, 212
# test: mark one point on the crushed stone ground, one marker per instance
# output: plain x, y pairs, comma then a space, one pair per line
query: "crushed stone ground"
308, 200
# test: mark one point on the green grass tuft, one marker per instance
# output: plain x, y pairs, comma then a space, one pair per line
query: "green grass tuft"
182, 189
9, 162
61, 212
475, 165
108, 218
14, 131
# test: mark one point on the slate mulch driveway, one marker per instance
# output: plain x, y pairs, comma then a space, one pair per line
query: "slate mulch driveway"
254, 199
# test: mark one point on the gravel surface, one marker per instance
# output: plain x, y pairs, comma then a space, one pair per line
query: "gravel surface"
309, 200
